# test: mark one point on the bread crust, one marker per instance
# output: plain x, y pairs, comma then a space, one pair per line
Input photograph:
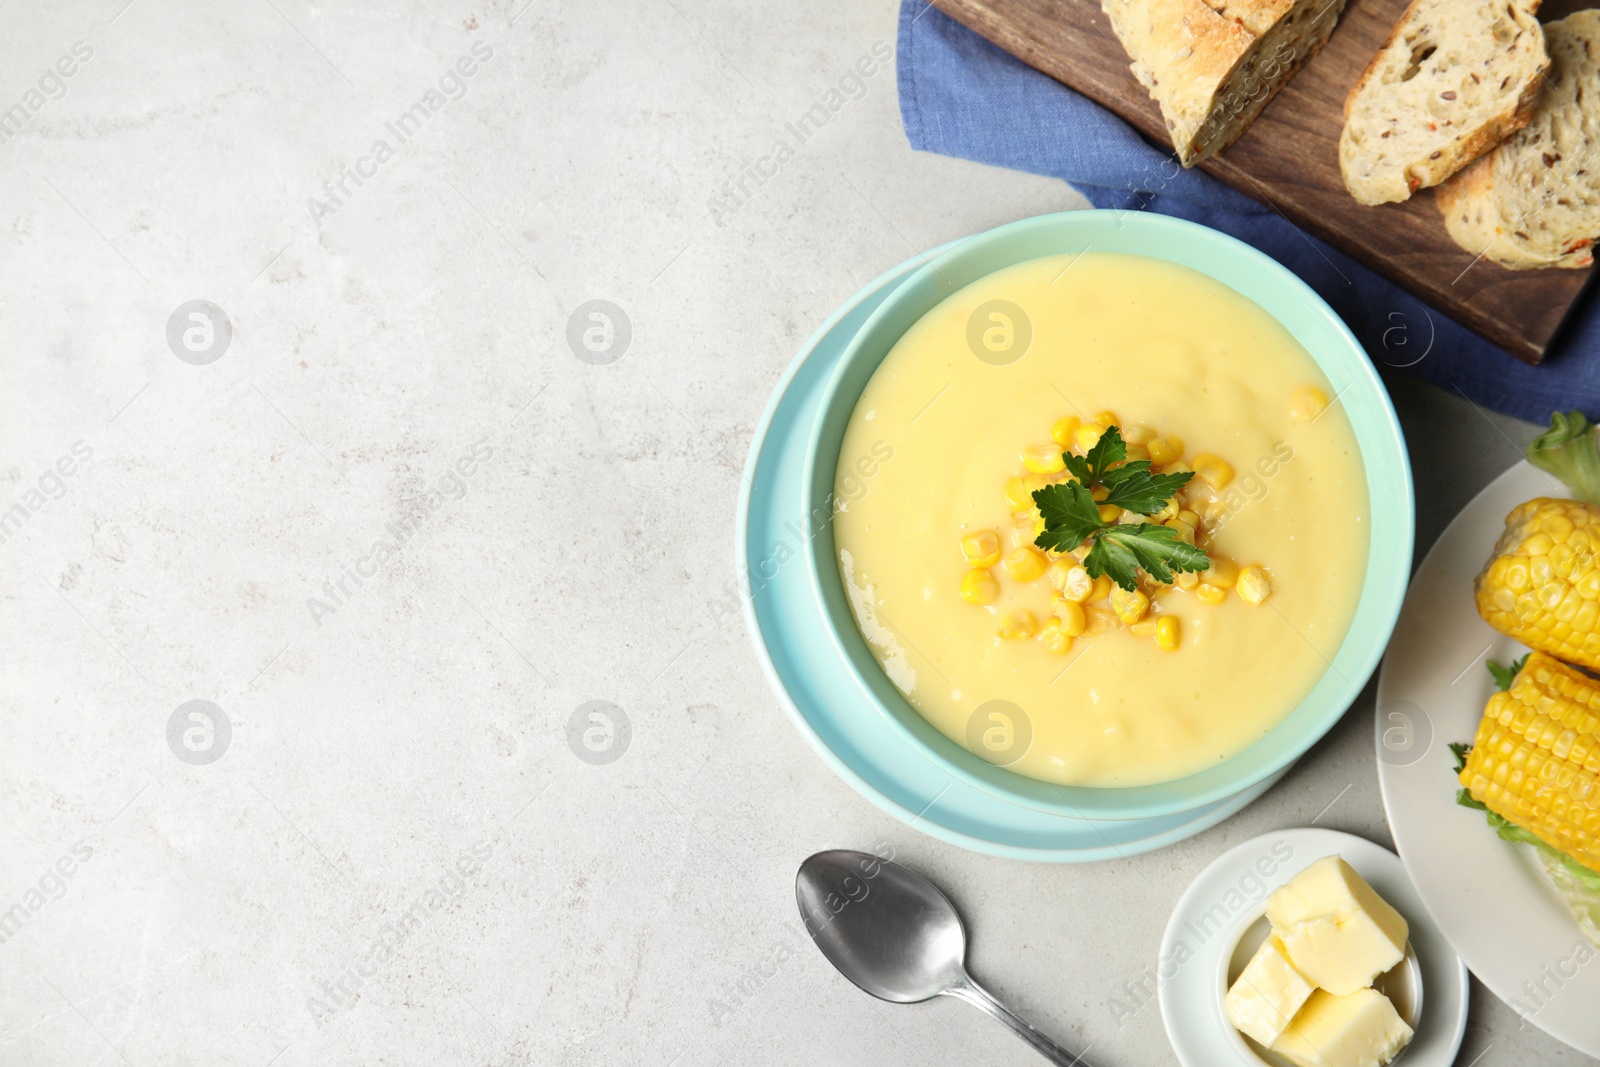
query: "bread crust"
1257, 16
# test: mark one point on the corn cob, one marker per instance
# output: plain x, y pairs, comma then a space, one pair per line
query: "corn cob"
1542, 584
1536, 759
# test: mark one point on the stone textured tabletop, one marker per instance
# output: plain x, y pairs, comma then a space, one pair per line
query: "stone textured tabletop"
302, 423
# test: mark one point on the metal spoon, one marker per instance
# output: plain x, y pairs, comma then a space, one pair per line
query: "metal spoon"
893, 934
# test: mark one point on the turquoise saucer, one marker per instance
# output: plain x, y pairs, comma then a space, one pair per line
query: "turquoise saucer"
819, 690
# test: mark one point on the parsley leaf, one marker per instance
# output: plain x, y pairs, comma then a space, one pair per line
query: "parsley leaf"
1464, 796
1133, 487
1107, 450
1121, 550
1504, 676
1070, 515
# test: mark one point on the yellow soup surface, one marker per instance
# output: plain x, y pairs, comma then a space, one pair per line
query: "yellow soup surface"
988, 651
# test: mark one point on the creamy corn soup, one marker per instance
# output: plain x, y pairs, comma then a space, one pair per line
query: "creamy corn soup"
1017, 653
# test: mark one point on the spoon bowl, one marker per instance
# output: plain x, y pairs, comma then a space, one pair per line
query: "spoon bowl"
895, 935
911, 951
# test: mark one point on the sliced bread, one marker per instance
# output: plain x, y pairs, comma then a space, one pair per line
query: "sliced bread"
1535, 200
1454, 79
1212, 66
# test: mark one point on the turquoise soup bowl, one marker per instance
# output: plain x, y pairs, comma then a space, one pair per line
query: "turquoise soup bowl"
1313, 324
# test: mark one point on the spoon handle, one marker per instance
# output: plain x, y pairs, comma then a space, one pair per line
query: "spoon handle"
981, 998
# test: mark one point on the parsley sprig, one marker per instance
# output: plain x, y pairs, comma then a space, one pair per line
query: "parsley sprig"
1072, 516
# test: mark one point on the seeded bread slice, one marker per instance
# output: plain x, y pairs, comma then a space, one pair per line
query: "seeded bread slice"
1535, 200
1212, 65
1455, 78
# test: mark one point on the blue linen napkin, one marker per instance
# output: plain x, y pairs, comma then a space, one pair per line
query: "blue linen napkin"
962, 96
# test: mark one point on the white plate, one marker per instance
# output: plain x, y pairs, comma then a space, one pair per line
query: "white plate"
1229, 896
1497, 909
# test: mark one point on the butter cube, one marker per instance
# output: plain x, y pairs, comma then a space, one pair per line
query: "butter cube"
1335, 929
1267, 994
1359, 1029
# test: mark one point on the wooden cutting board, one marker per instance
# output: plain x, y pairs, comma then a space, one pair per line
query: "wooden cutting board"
1289, 160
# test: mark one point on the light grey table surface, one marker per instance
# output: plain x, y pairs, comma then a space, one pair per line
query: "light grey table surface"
638, 911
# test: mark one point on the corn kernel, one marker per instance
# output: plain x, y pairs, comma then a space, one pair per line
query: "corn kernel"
1176, 468
1099, 492
1129, 606
1017, 494
1169, 510
1186, 579
1307, 402
1184, 531
1222, 573
1144, 628
1213, 471
1022, 531
1100, 620
1253, 586
1101, 588
1137, 452
1165, 451
982, 549
1019, 491
1025, 563
1189, 517
1108, 418
1078, 586
1109, 512
1210, 594
1043, 459
1167, 633
1537, 545
1071, 617
1064, 432
979, 587
1056, 573
1588, 587
1054, 639
1088, 434
1138, 435
1018, 624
